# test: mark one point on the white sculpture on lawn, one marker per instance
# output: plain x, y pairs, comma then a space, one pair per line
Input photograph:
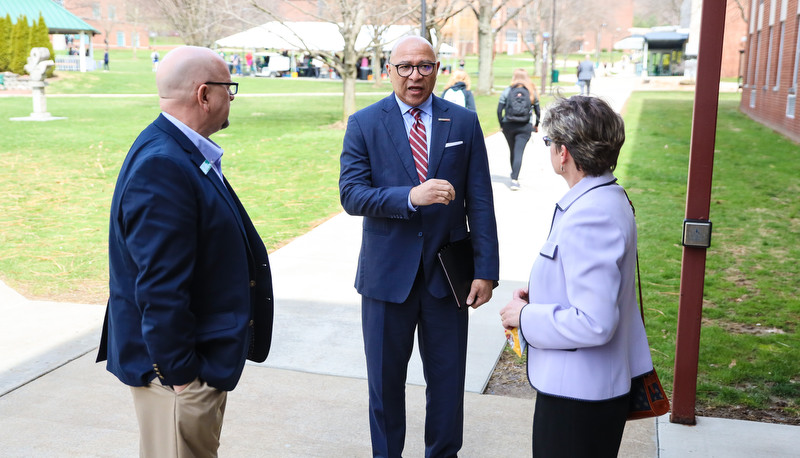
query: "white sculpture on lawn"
38, 64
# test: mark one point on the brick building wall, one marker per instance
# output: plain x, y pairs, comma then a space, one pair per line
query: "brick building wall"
771, 65
732, 42
122, 24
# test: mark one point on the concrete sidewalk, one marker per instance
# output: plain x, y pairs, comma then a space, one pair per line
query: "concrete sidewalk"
310, 398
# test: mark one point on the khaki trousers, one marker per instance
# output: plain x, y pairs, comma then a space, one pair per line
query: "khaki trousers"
179, 425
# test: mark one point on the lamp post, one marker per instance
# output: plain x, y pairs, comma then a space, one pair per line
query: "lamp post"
597, 44
422, 29
552, 45
545, 43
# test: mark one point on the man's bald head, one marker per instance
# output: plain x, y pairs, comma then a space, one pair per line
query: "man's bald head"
413, 40
183, 93
185, 68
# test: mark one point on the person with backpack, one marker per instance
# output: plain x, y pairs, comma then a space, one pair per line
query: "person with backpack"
514, 114
457, 90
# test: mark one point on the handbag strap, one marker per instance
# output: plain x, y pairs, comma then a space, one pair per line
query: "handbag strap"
638, 272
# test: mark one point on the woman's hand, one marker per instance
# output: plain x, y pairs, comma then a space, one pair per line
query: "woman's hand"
510, 313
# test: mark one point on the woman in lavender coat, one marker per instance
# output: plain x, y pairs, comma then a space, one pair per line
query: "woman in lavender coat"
579, 313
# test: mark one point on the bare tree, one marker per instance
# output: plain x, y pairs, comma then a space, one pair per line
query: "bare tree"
381, 15
134, 13
349, 16
485, 10
649, 13
742, 7
436, 16
199, 22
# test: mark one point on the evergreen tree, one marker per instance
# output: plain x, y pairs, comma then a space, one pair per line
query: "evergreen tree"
40, 38
5, 43
20, 45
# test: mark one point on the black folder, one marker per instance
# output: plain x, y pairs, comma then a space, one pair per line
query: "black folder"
459, 268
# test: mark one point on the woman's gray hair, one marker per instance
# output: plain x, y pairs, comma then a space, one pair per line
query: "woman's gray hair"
590, 129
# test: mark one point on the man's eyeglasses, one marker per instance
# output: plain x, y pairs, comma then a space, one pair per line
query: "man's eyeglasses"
547, 140
405, 70
233, 88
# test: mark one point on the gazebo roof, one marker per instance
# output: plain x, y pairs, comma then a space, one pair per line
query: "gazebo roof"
58, 19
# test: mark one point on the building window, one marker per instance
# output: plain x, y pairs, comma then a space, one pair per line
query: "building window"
95, 10
793, 88
511, 36
112, 12
751, 66
529, 38
758, 59
120, 38
769, 58
780, 60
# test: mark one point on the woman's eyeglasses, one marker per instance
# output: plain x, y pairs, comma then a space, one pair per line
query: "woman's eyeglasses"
547, 140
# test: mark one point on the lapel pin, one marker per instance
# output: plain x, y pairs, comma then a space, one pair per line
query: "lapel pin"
205, 167
444, 119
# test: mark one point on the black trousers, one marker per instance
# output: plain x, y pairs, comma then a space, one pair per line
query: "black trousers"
517, 135
572, 428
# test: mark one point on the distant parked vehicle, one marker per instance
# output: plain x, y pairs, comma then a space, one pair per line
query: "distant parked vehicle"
272, 64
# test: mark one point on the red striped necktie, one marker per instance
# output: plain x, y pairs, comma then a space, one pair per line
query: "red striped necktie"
419, 144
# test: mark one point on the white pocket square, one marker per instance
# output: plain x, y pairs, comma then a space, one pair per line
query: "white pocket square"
448, 145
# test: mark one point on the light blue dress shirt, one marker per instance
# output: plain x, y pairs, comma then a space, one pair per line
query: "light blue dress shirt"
426, 116
210, 150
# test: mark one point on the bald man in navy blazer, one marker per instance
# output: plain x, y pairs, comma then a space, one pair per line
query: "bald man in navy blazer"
408, 217
190, 285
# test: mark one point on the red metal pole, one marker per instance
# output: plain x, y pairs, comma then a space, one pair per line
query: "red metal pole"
698, 202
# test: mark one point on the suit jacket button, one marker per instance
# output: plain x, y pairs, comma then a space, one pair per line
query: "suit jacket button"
252, 283
419, 234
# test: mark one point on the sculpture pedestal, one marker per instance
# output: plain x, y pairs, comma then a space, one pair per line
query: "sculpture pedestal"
39, 105
39, 100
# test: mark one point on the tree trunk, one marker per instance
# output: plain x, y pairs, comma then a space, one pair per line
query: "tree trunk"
349, 100
485, 50
349, 74
377, 53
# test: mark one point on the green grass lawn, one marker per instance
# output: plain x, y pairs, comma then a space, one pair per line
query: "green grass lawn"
749, 340
282, 158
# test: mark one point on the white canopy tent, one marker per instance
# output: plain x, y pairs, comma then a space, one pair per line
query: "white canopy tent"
312, 36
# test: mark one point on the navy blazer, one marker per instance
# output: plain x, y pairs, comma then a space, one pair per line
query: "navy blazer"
190, 283
377, 174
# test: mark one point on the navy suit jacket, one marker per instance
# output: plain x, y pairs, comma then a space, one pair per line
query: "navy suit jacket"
377, 174
190, 284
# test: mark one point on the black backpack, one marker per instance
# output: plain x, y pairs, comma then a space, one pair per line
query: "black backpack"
518, 105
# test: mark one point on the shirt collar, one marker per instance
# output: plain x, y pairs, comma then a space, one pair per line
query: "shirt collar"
426, 106
586, 184
210, 150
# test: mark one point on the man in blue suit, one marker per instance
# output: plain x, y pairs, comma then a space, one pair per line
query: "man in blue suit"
190, 284
415, 167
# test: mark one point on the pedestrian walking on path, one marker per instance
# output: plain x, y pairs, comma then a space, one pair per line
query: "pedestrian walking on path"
585, 75
514, 111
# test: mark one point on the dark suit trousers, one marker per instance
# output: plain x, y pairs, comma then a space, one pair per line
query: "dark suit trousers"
388, 343
517, 135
